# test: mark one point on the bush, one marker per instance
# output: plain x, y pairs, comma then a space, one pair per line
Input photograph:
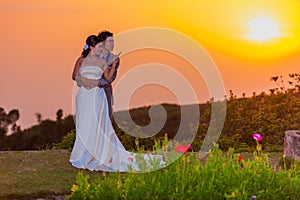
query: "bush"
222, 177
67, 141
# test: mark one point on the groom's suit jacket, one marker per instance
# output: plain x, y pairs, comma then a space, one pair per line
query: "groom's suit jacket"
109, 58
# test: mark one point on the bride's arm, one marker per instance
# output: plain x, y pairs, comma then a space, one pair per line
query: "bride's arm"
76, 75
87, 83
76, 68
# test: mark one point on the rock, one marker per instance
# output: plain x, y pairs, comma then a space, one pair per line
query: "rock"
292, 144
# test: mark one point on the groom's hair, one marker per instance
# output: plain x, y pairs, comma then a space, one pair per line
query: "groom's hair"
104, 34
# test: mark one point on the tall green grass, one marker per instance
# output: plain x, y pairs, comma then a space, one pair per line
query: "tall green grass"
222, 176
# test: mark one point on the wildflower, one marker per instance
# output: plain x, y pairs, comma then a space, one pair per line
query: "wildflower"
257, 137
74, 188
241, 161
130, 159
240, 158
253, 197
183, 149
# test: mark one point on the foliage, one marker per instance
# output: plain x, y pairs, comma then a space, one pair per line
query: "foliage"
7, 120
59, 114
267, 114
67, 141
38, 137
222, 177
287, 162
270, 115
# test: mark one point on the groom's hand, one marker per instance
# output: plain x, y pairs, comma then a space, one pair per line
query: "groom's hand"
117, 58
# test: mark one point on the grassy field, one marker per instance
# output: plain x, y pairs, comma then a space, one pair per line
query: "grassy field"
36, 174
47, 174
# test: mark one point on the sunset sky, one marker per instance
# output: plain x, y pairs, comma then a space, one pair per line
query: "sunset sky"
249, 41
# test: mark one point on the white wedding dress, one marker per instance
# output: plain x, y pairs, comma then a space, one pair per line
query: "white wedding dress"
97, 146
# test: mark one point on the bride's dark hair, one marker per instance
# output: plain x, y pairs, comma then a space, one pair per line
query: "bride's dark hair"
90, 41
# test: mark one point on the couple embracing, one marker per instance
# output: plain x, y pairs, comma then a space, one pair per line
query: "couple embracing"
97, 146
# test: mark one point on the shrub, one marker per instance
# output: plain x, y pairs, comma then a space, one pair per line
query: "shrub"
67, 141
222, 177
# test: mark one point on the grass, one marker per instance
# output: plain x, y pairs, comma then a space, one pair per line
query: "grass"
36, 174
47, 174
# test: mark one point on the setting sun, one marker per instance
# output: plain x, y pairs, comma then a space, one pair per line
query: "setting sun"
262, 29
253, 30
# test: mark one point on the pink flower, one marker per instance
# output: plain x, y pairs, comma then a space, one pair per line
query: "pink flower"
257, 137
183, 149
130, 159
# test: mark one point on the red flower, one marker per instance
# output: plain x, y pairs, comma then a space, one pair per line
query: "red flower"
183, 149
240, 158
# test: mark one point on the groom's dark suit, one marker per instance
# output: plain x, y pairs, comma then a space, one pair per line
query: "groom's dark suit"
107, 84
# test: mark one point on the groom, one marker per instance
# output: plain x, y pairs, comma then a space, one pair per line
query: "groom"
108, 45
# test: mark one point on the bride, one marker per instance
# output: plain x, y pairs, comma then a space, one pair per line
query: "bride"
97, 147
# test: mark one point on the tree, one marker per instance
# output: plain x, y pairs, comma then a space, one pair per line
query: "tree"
8, 119
3, 123
59, 114
13, 117
38, 117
